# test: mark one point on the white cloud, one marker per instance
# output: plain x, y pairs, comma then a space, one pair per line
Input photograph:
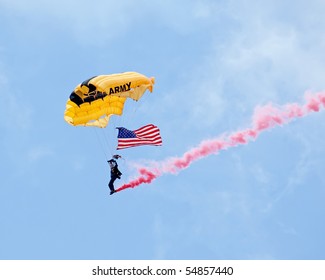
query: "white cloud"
287, 229
79, 164
262, 58
91, 23
158, 232
266, 58
261, 175
13, 113
102, 20
39, 153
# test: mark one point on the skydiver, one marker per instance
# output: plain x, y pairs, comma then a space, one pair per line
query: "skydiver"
115, 172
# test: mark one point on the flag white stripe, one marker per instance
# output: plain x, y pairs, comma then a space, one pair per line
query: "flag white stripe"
157, 142
135, 140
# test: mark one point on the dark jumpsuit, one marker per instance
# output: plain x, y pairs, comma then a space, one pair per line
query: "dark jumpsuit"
115, 173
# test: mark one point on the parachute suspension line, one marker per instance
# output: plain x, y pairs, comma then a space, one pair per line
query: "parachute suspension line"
101, 143
118, 121
114, 128
106, 137
134, 113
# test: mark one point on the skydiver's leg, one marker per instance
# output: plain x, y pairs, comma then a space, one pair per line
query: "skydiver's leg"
111, 184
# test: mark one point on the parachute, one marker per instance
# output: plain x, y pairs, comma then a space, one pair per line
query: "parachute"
93, 101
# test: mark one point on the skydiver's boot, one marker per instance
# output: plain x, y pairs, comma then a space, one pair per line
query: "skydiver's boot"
113, 191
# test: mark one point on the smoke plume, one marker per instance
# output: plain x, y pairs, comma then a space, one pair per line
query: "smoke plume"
264, 118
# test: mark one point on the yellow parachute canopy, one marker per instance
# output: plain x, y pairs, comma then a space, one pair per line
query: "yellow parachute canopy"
96, 99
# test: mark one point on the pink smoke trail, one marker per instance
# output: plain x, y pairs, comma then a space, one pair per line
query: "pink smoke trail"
264, 118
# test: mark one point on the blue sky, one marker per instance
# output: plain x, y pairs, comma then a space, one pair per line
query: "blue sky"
213, 61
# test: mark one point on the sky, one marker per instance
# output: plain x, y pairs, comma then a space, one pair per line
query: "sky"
214, 62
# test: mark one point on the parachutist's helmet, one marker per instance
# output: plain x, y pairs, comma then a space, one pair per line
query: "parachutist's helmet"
116, 156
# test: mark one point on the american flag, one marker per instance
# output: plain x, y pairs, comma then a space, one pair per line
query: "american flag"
146, 135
